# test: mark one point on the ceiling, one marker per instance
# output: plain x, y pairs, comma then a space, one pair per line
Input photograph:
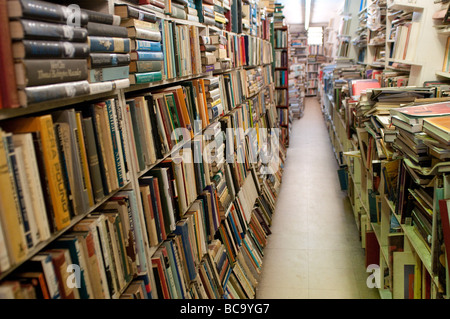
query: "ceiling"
321, 10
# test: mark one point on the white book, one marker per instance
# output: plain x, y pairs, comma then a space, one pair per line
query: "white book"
25, 198
5, 263
35, 186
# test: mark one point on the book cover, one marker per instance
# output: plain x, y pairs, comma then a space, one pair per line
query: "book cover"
108, 74
40, 30
109, 44
44, 125
42, 10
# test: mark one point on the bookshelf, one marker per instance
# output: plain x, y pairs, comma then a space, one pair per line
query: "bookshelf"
297, 75
281, 77
142, 193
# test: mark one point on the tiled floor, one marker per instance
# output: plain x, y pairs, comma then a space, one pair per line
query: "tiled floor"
314, 251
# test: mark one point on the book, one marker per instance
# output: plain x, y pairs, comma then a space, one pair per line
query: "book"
108, 73
31, 29
43, 72
42, 10
9, 97
146, 77
99, 60
128, 12
109, 44
106, 30
438, 127
50, 92
145, 66
37, 49
44, 125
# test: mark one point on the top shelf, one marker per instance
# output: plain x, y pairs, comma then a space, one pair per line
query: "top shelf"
404, 6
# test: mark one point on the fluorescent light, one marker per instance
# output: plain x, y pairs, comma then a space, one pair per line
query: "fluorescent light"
307, 13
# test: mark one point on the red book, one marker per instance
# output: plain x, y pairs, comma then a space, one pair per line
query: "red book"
9, 96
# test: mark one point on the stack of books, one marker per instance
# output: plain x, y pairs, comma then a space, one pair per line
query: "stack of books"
213, 93
191, 11
206, 12
278, 16
55, 66
207, 50
106, 63
219, 14
176, 9
145, 37
222, 61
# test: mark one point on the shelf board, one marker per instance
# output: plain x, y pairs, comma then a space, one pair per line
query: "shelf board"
404, 62
39, 247
443, 74
405, 7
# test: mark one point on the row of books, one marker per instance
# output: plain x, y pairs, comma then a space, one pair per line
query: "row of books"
108, 51
91, 149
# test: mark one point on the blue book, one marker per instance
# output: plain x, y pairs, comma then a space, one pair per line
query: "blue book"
109, 44
182, 229
145, 45
147, 56
174, 268
109, 74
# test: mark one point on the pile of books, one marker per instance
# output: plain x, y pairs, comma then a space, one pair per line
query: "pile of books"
107, 62
145, 47
208, 55
55, 66
214, 93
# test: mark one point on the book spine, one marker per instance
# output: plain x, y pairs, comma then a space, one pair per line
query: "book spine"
8, 94
149, 56
146, 34
100, 17
108, 60
42, 10
54, 172
141, 15
52, 49
12, 222
148, 77
142, 45
43, 30
115, 143
146, 66
43, 72
44, 93
94, 165
109, 44
108, 74
106, 30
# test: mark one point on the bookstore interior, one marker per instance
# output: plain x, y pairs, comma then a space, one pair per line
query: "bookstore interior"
146, 159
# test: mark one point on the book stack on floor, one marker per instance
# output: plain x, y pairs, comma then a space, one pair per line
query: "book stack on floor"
55, 65
107, 63
145, 47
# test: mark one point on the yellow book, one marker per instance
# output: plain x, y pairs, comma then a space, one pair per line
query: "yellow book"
58, 194
84, 160
9, 211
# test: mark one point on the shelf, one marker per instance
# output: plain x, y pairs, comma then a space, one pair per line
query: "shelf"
282, 106
443, 74
281, 87
39, 247
404, 62
404, 6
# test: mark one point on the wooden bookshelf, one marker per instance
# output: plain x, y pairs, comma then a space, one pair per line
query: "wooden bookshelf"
251, 190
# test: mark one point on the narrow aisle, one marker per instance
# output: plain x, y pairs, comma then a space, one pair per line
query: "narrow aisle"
314, 250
